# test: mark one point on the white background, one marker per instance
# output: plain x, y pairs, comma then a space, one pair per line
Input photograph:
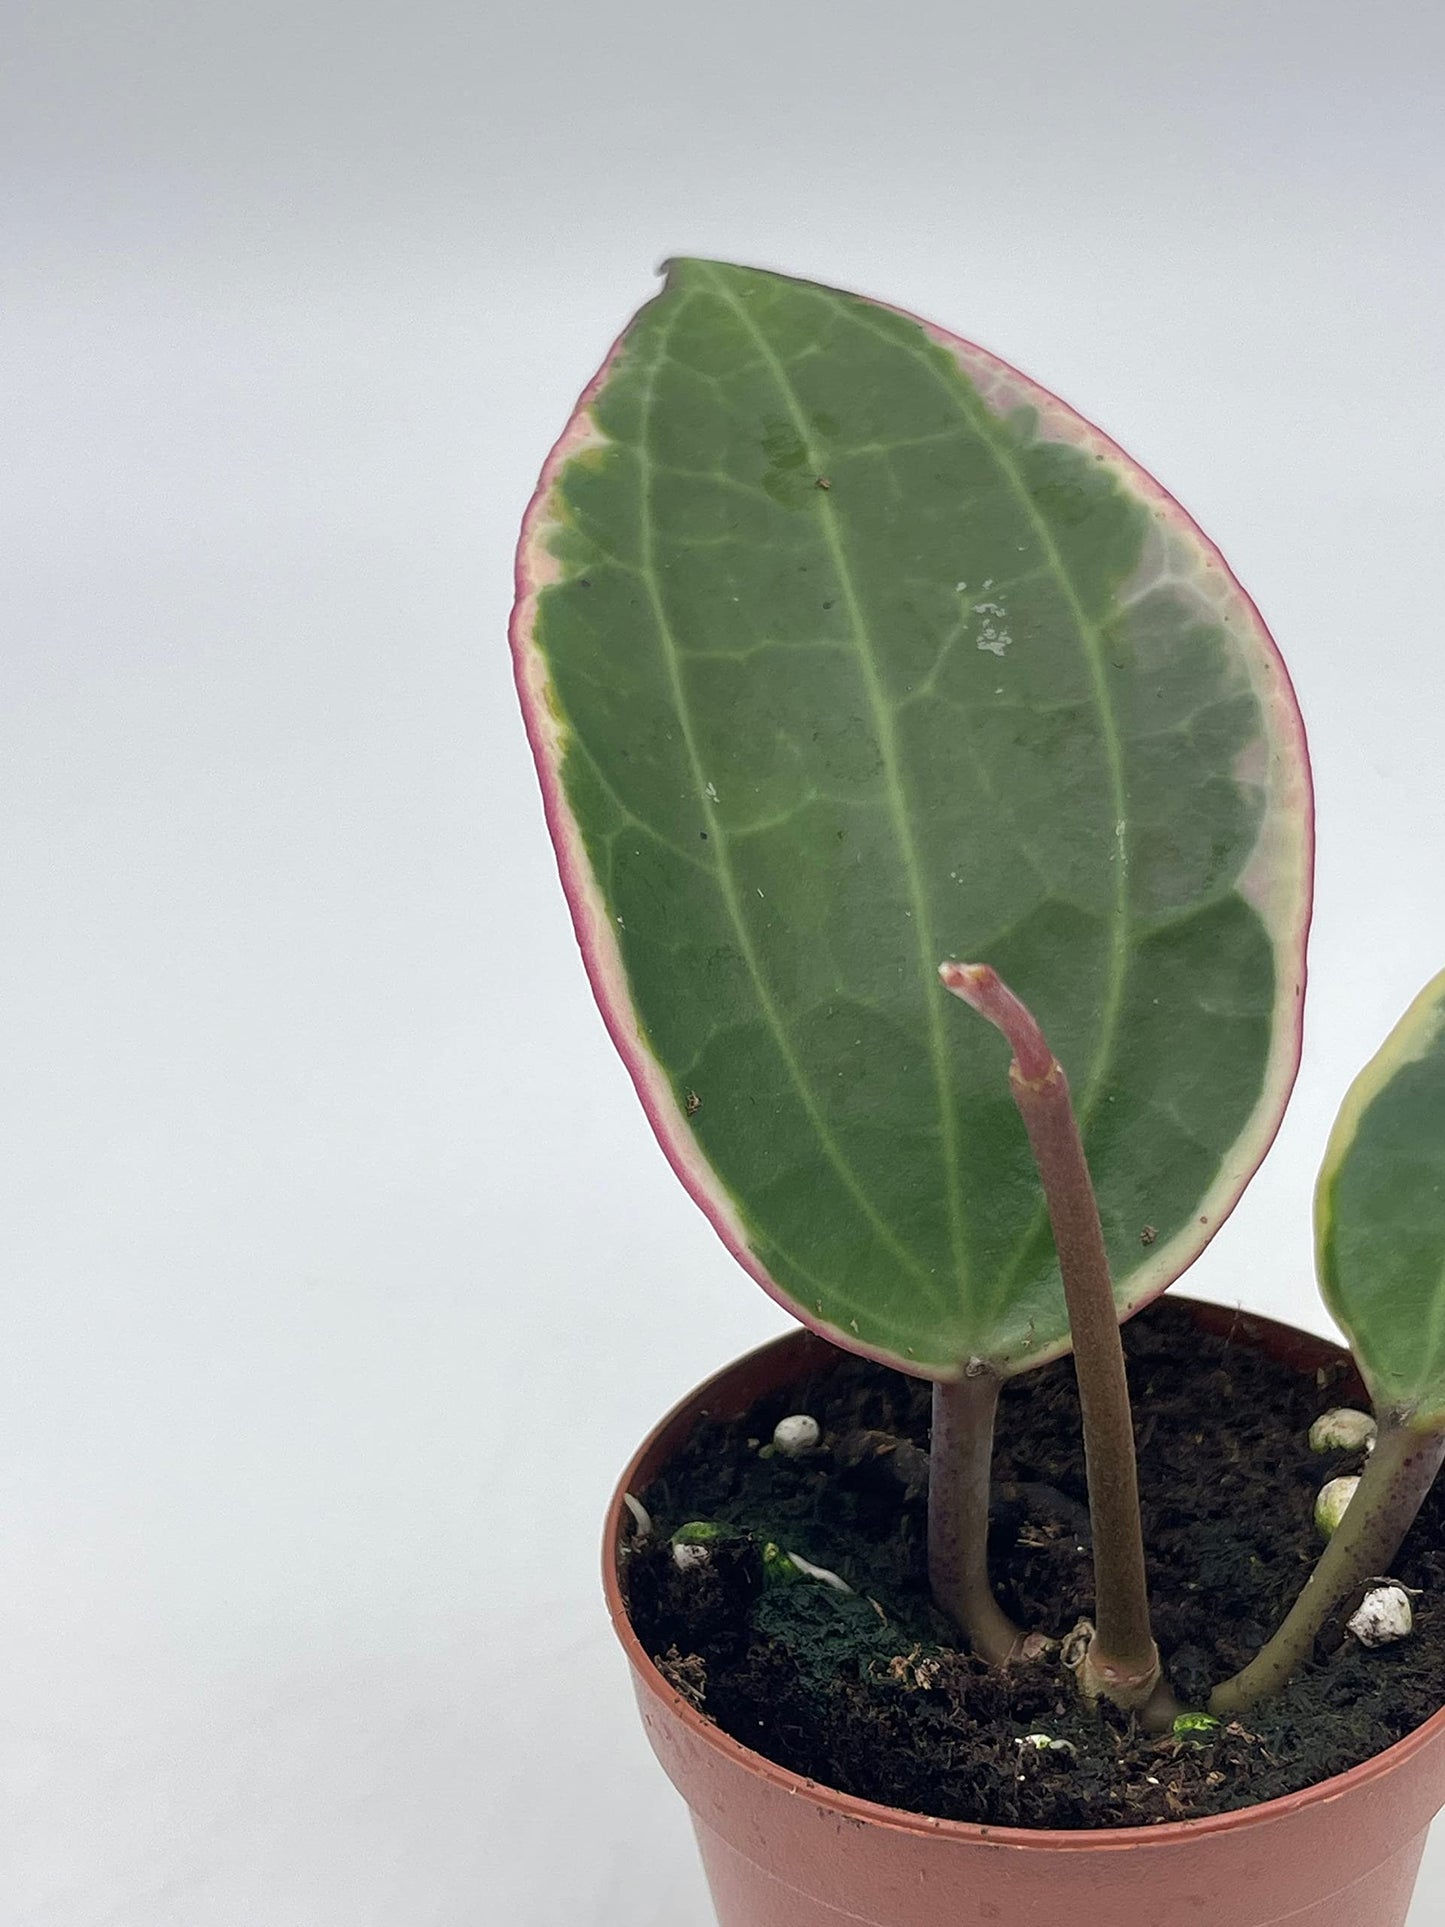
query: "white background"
340, 1270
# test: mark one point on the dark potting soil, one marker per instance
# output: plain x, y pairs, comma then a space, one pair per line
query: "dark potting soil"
869, 1693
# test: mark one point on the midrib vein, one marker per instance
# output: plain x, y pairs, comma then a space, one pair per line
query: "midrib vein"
727, 882
933, 1003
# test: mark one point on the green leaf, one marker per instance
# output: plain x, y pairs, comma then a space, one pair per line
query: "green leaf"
1380, 1216
845, 649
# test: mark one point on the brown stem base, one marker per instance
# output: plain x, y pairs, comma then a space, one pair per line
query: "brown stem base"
960, 1464
1143, 1691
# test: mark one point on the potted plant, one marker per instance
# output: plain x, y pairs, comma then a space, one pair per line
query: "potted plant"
859, 670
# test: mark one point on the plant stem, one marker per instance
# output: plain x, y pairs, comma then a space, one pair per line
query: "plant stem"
1399, 1473
959, 1467
1122, 1660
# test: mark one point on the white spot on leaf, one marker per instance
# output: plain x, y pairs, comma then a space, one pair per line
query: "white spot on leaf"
994, 637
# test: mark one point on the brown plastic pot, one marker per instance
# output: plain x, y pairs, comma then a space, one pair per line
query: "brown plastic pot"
782, 1851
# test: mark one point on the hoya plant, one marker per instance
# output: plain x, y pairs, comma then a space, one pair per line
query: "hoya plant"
846, 650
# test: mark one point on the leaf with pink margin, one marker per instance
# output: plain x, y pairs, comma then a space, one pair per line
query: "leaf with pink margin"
845, 648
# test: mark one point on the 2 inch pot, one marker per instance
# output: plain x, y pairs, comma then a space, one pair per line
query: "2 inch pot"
783, 1851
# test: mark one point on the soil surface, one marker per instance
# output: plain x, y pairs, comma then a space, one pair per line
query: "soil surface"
869, 1692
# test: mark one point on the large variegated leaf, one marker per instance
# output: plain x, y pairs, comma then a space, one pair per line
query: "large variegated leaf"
1380, 1215
845, 649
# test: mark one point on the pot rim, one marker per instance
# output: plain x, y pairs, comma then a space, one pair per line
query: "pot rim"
898, 1819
